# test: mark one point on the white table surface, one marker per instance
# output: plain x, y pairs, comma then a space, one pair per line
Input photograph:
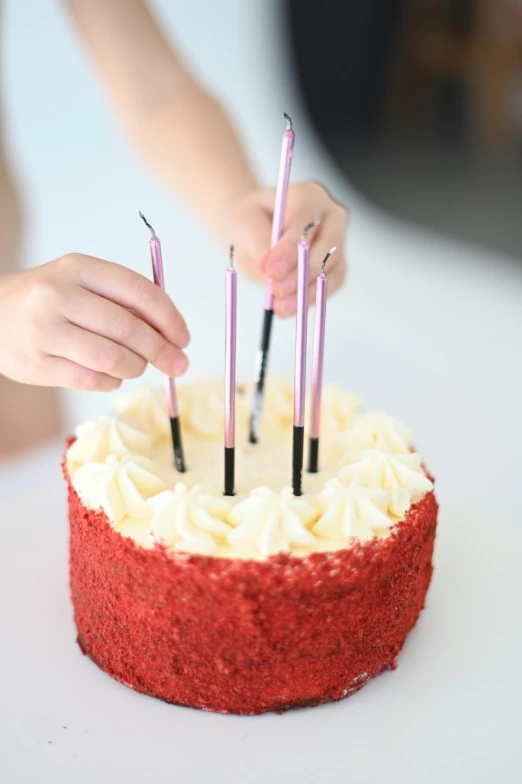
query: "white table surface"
428, 329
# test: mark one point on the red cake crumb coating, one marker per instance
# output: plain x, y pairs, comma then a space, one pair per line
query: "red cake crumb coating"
245, 637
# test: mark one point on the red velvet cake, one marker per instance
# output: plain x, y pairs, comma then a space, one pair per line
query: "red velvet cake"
264, 602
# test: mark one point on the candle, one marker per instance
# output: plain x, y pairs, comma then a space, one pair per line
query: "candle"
321, 293
287, 148
230, 373
170, 389
303, 253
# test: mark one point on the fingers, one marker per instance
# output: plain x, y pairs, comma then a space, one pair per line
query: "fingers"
105, 318
94, 352
60, 372
329, 234
307, 201
132, 291
287, 306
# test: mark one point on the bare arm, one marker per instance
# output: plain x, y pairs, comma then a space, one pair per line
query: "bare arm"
180, 130
186, 137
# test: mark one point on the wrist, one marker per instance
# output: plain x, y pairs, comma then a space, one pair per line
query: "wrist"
230, 210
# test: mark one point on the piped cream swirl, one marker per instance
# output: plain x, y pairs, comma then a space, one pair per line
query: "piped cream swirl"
376, 430
272, 521
119, 487
401, 475
352, 511
193, 520
97, 439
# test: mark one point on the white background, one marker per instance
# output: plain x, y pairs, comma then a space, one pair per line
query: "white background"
428, 329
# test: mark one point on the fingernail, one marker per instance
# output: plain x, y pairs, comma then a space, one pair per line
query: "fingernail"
179, 365
184, 339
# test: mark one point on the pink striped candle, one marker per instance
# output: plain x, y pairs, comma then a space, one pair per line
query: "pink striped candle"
287, 150
170, 388
303, 255
230, 373
321, 293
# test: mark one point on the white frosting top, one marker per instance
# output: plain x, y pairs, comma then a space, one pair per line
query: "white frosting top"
368, 478
202, 406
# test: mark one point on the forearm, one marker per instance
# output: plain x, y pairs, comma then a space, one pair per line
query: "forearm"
188, 140
181, 131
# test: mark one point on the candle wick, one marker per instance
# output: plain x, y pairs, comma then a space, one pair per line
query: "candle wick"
147, 224
307, 228
232, 256
288, 121
326, 259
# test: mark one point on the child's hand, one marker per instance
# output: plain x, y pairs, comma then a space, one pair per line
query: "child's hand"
250, 228
84, 323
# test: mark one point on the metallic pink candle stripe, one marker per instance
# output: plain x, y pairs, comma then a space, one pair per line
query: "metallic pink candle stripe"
172, 398
321, 292
303, 252
230, 355
157, 262
159, 280
287, 149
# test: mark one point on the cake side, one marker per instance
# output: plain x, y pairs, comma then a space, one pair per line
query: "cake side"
247, 636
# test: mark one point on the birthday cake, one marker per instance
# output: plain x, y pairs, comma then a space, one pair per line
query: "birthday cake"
262, 601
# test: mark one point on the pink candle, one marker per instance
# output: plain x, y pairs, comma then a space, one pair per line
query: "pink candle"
287, 148
303, 254
321, 293
230, 372
170, 388
157, 269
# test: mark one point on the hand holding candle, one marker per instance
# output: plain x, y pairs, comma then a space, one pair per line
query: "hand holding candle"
170, 389
317, 365
230, 373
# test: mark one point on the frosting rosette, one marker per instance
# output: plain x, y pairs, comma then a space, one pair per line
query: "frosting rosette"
352, 511
401, 475
193, 520
119, 487
338, 410
271, 521
98, 438
146, 409
376, 430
